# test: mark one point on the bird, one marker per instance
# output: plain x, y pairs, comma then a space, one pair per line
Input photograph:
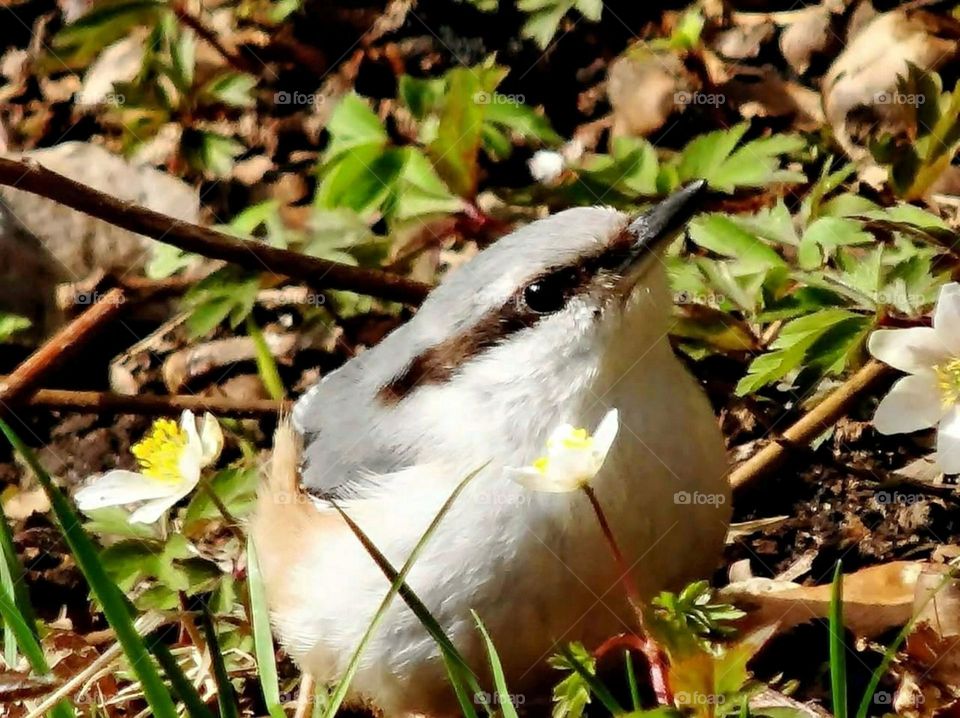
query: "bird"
558, 322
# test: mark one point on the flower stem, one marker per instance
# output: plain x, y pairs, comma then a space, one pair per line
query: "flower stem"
648, 647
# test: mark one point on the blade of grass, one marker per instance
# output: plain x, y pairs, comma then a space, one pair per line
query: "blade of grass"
12, 582
182, 686
632, 681
891, 652
262, 636
266, 365
838, 656
396, 587
459, 684
111, 599
16, 623
226, 698
596, 687
413, 601
502, 695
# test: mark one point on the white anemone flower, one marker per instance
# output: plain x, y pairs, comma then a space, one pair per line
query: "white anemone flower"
930, 395
171, 458
573, 457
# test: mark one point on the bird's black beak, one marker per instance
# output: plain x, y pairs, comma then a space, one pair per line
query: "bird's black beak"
651, 228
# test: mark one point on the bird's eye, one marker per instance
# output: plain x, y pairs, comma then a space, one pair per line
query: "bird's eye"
549, 294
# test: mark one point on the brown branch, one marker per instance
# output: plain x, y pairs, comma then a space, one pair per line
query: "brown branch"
24, 380
809, 426
196, 24
32, 177
100, 402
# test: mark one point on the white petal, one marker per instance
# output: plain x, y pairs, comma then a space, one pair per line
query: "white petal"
946, 315
189, 467
535, 481
605, 434
188, 422
153, 510
948, 442
211, 439
911, 350
913, 403
121, 487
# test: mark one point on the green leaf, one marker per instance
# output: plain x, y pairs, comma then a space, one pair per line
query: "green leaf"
236, 487
361, 179
419, 191
503, 695
571, 696
589, 677
183, 51
398, 586
262, 635
756, 164
10, 324
209, 151
543, 22
706, 153
352, 125
721, 234
226, 699
455, 148
422, 96
266, 364
790, 348
227, 294
838, 656
79, 43
231, 88
115, 607
523, 120
166, 260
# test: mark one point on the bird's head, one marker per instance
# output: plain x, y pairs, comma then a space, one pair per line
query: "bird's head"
555, 299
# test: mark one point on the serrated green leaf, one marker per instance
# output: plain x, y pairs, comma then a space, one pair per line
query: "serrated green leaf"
790, 348
353, 125
722, 235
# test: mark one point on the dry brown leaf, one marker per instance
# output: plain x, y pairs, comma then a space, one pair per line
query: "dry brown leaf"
867, 71
876, 599
644, 88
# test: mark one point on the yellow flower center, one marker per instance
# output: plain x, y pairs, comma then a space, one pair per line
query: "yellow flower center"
159, 452
541, 465
948, 379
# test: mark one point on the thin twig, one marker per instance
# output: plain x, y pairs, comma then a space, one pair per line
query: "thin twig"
656, 661
809, 426
196, 24
36, 179
105, 402
24, 380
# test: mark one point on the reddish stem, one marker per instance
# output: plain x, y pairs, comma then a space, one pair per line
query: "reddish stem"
656, 660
